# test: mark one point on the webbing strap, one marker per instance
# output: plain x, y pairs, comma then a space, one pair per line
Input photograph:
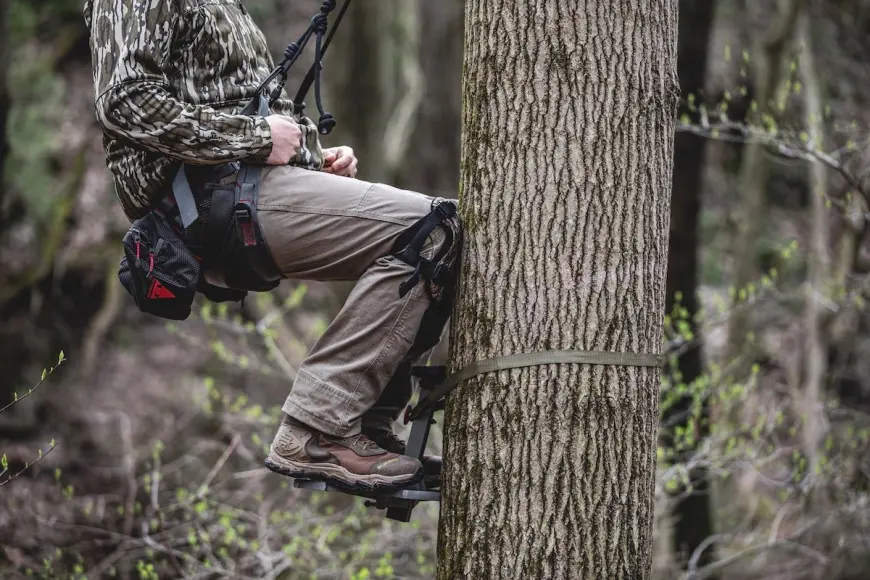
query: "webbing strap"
247, 188
514, 361
184, 197
411, 242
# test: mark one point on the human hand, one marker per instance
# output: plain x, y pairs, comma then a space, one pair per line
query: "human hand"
286, 139
340, 161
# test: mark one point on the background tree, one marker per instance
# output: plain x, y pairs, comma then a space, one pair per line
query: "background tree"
4, 99
692, 512
566, 174
768, 65
166, 478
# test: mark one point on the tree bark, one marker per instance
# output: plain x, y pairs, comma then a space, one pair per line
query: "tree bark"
693, 520
568, 124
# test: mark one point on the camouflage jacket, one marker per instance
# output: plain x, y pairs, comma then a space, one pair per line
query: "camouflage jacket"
170, 77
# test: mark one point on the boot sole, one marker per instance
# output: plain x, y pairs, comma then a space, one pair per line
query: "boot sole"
339, 477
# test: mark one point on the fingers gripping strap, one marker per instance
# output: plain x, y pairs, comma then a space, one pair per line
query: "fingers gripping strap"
515, 361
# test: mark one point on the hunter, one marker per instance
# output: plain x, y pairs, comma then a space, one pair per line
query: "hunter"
170, 80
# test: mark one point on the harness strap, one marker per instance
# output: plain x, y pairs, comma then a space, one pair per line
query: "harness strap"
247, 190
410, 243
184, 197
222, 204
515, 361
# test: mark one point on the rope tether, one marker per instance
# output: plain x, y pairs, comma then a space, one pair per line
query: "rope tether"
319, 28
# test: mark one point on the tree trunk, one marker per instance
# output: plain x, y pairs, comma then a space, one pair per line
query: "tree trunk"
568, 124
377, 84
4, 100
693, 518
768, 54
819, 262
433, 162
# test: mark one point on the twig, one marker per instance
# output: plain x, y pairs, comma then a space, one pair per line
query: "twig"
27, 465
61, 359
103, 321
203, 488
258, 472
748, 134
130, 469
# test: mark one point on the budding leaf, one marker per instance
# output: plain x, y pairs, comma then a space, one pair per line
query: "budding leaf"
4, 462
61, 357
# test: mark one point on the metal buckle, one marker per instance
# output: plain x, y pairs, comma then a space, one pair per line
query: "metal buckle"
242, 213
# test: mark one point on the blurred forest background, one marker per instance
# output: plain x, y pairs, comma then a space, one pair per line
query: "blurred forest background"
149, 438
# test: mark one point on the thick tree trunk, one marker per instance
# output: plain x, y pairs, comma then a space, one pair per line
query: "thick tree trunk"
4, 99
568, 126
693, 519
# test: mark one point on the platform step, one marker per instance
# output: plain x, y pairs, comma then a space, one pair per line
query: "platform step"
410, 494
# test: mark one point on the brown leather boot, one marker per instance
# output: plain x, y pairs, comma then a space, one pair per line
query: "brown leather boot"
355, 462
386, 439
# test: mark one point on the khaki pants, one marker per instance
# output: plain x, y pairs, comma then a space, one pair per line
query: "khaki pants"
323, 227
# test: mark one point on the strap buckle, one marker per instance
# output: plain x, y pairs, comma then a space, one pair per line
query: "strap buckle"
446, 209
242, 213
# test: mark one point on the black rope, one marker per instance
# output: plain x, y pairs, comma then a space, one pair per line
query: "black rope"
319, 24
299, 99
319, 28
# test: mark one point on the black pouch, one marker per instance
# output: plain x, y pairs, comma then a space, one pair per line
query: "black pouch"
158, 269
221, 294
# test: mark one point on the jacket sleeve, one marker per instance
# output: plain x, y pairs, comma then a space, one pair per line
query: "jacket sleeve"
130, 43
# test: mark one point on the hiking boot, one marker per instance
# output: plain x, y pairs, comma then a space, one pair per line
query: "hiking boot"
386, 439
356, 463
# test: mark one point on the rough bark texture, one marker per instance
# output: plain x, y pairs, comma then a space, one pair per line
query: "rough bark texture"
568, 123
692, 516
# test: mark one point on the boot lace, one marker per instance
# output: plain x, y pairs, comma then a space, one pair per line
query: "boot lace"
388, 440
363, 442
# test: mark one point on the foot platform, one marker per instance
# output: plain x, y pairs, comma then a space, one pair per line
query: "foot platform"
400, 503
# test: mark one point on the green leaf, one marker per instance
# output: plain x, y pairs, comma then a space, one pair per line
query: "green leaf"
61, 357
44, 373
4, 462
